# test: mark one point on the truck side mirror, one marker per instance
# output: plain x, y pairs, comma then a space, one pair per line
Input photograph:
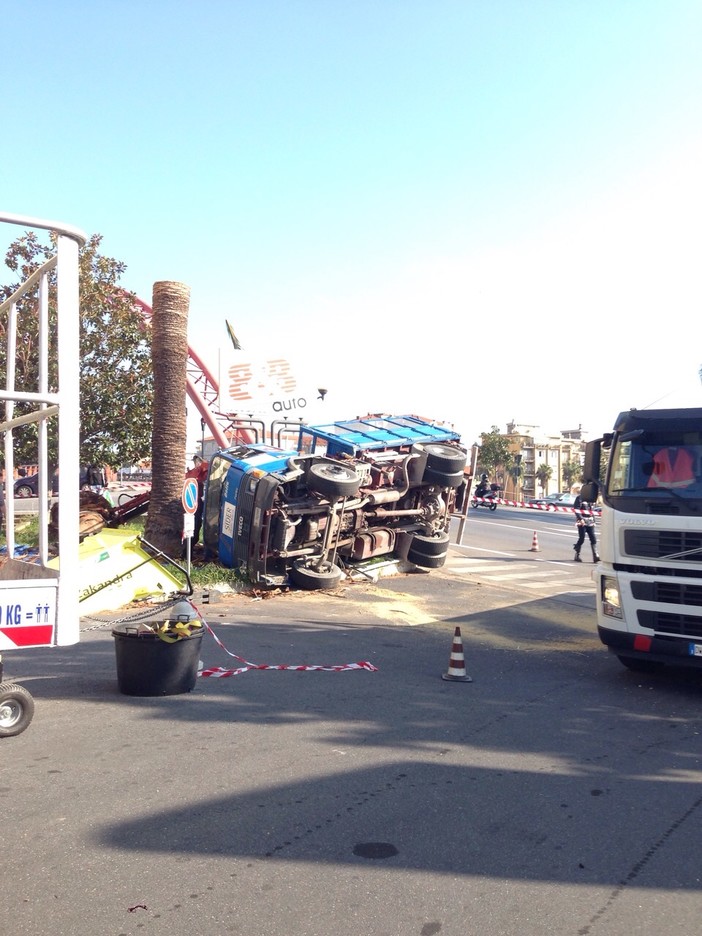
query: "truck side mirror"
591, 465
589, 492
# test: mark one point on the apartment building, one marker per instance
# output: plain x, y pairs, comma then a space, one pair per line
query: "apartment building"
535, 449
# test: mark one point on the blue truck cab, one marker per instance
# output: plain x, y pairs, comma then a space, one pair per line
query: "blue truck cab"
350, 491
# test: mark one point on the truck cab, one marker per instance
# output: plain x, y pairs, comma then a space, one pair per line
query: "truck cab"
649, 580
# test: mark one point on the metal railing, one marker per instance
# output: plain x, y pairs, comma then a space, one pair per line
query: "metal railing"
60, 404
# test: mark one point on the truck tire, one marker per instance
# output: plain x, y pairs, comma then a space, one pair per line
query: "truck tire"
305, 575
445, 458
16, 709
428, 552
427, 562
332, 480
443, 479
430, 545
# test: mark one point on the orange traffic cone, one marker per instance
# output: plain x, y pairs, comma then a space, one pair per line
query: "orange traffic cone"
457, 665
534, 543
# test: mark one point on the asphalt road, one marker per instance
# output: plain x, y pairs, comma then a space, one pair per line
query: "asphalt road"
556, 793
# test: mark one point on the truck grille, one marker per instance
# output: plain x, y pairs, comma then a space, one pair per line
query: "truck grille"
682, 625
244, 510
660, 544
667, 592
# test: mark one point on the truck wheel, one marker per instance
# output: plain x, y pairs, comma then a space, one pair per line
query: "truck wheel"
430, 545
333, 481
445, 458
428, 552
16, 709
426, 562
442, 478
310, 577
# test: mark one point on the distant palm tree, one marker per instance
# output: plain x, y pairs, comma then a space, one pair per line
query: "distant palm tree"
543, 474
572, 471
169, 349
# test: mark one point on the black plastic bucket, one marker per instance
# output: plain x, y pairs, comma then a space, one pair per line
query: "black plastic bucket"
150, 666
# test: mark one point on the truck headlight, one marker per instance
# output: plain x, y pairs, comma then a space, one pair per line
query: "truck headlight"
611, 597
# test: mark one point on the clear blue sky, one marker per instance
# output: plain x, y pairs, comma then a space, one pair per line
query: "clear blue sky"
481, 210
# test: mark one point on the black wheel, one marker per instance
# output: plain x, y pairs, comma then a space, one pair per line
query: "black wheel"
430, 545
475, 504
493, 506
333, 480
16, 709
305, 574
445, 458
24, 490
426, 562
442, 478
640, 666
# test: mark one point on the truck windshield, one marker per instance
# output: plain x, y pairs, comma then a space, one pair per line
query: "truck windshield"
213, 497
660, 463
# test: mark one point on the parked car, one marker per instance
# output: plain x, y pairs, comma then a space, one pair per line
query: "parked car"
28, 486
562, 499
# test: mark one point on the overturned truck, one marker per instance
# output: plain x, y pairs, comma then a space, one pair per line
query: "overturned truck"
349, 492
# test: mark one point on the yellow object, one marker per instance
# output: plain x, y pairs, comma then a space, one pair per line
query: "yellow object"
170, 631
115, 570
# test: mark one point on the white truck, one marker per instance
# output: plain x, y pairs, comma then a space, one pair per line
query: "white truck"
649, 580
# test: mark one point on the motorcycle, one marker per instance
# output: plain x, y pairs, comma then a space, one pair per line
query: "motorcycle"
488, 499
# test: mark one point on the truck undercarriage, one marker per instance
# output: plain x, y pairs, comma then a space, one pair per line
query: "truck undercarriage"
310, 515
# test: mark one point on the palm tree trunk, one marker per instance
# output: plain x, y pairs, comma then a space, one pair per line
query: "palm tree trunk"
169, 352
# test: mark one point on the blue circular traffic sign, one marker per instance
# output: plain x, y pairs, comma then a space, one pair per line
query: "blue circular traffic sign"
189, 497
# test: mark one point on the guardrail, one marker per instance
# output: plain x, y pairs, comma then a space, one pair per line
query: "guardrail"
55, 397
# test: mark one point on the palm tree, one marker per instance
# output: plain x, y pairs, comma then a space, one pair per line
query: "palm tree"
572, 471
169, 351
543, 473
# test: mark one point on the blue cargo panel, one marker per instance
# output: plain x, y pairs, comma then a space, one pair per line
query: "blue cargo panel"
377, 432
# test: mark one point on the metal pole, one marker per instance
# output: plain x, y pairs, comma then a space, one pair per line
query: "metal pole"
464, 515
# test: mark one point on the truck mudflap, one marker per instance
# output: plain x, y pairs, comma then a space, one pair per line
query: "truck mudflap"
650, 651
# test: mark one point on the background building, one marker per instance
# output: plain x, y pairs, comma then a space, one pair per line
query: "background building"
531, 449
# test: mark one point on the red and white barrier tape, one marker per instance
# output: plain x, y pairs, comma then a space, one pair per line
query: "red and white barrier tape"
220, 671
129, 485
509, 503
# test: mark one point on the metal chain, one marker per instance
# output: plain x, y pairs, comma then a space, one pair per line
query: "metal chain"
128, 618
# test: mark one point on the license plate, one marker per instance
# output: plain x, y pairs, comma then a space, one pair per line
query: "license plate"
695, 649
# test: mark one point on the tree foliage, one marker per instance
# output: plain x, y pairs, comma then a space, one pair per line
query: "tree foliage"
116, 381
572, 472
494, 453
543, 474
